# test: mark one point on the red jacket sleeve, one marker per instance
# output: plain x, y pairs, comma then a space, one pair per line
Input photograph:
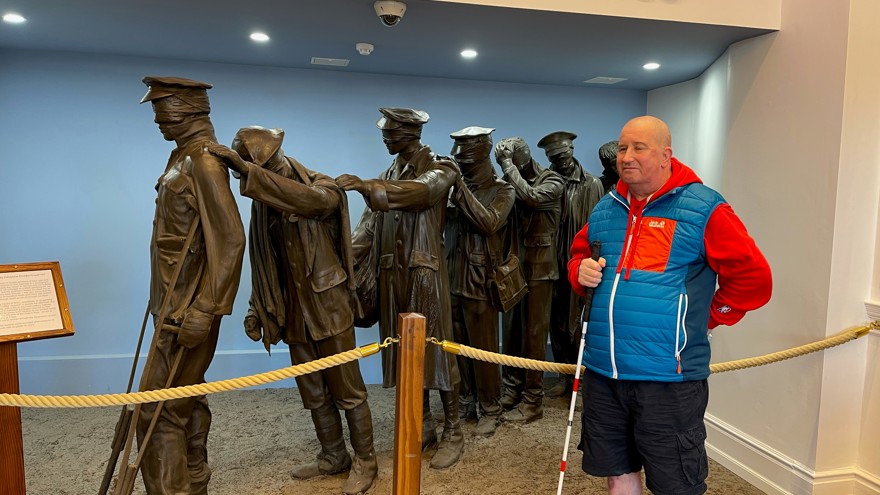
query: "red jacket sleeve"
744, 279
580, 249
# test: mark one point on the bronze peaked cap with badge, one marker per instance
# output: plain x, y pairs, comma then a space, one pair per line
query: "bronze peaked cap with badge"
191, 95
394, 118
557, 142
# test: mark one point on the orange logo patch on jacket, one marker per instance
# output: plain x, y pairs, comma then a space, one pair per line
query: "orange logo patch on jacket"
653, 244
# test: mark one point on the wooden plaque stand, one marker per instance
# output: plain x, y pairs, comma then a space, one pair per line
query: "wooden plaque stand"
33, 305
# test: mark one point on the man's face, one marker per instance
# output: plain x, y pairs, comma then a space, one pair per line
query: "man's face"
395, 140
169, 122
561, 157
470, 151
643, 160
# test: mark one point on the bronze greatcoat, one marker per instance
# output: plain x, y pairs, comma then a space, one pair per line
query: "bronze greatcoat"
299, 227
582, 192
412, 267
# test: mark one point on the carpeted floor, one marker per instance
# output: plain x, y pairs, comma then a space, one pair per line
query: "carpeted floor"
258, 436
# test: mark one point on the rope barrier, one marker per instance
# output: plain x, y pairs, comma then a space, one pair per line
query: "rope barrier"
68, 401
493, 357
71, 401
841, 338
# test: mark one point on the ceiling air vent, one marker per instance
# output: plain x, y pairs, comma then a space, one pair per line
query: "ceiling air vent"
605, 80
335, 62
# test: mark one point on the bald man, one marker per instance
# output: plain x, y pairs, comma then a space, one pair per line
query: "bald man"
666, 239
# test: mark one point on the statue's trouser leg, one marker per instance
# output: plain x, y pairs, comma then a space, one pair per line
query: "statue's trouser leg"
481, 322
460, 333
429, 424
324, 393
165, 466
512, 336
537, 326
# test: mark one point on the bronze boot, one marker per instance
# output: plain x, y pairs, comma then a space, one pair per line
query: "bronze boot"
333, 457
452, 441
364, 469
524, 413
429, 424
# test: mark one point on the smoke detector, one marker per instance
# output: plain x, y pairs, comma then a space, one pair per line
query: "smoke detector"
364, 48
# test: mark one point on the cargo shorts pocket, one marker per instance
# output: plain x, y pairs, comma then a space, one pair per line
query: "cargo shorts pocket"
692, 451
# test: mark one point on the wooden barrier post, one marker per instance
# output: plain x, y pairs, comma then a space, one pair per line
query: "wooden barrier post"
12, 458
408, 409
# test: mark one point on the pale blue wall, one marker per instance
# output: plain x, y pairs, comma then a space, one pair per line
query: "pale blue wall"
80, 157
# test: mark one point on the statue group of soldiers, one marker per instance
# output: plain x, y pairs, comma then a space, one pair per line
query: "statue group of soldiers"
433, 231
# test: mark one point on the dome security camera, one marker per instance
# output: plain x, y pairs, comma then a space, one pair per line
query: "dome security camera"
390, 12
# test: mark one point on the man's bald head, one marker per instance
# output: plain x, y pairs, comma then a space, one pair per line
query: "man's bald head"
650, 125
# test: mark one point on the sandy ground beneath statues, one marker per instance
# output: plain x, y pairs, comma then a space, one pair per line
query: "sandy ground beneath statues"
258, 436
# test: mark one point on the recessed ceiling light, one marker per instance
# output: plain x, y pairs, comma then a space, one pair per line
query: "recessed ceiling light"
260, 37
651, 66
469, 53
13, 18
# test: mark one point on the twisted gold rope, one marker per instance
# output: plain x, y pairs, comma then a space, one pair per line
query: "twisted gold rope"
841, 338
494, 357
61, 401
69, 401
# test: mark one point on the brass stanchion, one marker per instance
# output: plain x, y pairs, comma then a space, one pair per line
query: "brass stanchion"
408, 410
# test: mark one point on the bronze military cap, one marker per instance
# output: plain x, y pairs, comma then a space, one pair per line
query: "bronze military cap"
469, 136
557, 142
393, 118
161, 87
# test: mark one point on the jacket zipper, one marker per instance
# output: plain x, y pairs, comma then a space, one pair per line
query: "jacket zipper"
614, 291
681, 328
611, 325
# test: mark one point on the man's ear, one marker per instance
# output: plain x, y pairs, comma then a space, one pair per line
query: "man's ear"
667, 155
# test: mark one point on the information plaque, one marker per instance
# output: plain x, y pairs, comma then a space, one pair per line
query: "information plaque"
33, 302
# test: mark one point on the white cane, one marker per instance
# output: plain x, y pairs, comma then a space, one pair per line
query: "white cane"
594, 248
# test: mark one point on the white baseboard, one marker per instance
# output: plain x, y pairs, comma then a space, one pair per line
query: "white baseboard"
775, 473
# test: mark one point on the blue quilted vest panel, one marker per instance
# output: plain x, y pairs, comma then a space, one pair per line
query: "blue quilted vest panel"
653, 323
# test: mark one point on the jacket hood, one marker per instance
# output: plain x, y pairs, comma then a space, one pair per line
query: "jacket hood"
682, 175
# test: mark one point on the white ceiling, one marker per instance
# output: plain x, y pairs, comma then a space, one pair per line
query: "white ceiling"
514, 45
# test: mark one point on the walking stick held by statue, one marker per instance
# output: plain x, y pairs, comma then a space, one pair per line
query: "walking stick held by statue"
124, 416
595, 246
128, 472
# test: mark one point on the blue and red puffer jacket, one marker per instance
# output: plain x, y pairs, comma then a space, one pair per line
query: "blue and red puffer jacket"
652, 311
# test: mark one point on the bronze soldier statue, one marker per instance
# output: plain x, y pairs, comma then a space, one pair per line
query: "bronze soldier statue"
608, 158
582, 192
405, 218
194, 208
525, 327
479, 207
301, 274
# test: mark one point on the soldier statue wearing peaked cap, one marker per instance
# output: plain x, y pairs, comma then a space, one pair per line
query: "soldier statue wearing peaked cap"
475, 232
194, 208
582, 192
403, 225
